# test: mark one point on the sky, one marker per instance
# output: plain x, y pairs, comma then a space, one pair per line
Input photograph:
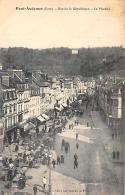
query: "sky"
62, 28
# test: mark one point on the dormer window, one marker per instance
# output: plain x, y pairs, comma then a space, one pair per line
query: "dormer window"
10, 95
7, 95
14, 94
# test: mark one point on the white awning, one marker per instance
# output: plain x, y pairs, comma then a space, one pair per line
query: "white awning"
40, 118
61, 107
33, 131
64, 105
57, 108
28, 126
45, 116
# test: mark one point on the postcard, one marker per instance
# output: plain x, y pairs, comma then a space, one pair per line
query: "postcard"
62, 97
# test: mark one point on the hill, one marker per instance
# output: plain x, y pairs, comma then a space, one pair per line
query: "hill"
88, 62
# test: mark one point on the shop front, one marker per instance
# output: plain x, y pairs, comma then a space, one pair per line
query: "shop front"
25, 128
11, 135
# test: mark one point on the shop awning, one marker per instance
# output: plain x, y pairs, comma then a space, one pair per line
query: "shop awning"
28, 126
41, 119
45, 116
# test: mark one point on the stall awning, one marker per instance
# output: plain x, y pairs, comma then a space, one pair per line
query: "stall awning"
28, 126
61, 107
64, 105
58, 109
41, 119
45, 116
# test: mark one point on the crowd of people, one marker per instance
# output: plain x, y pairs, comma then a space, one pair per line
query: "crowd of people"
36, 147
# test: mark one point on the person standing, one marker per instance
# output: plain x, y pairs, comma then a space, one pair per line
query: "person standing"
35, 189
77, 145
75, 157
58, 160
63, 144
77, 135
16, 148
62, 158
24, 157
53, 163
87, 124
75, 161
44, 182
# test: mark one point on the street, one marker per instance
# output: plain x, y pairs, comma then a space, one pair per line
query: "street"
95, 170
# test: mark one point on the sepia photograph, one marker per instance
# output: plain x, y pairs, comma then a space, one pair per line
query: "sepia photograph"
62, 97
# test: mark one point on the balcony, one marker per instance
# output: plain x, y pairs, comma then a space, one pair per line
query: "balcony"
43, 95
20, 101
20, 112
26, 111
11, 127
21, 89
26, 100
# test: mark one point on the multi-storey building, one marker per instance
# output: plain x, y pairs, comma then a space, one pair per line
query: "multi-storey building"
10, 114
1, 120
110, 100
23, 94
40, 90
123, 117
35, 101
20, 83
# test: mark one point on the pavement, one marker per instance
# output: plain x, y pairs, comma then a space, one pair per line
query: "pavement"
95, 171
104, 133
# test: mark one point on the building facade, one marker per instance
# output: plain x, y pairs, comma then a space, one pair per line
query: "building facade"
10, 114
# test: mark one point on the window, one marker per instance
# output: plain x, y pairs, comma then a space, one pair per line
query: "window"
10, 95
9, 121
7, 95
19, 96
14, 94
19, 108
10, 110
1, 130
5, 123
5, 109
14, 120
20, 118
14, 107
115, 102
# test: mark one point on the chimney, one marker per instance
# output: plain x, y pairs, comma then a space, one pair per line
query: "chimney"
6, 80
